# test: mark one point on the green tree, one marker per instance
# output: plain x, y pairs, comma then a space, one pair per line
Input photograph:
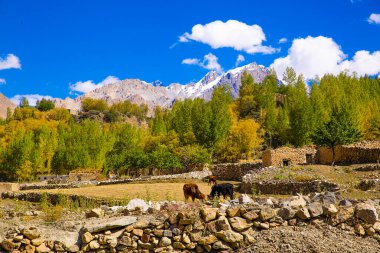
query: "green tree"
44, 105
24, 102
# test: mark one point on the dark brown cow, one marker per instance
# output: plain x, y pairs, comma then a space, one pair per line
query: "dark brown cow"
192, 190
211, 179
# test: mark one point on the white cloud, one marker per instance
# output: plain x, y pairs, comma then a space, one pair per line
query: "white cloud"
2, 81
10, 62
209, 62
32, 98
283, 40
233, 33
239, 60
316, 56
89, 85
374, 19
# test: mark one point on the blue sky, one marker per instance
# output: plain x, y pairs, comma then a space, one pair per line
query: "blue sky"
46, 47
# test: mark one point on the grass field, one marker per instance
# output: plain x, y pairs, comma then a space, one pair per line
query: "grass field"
149, 191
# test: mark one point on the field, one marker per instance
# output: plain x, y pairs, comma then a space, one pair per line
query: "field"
149, 191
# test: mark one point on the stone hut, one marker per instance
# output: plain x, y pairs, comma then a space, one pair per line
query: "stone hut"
286, 156
84, 175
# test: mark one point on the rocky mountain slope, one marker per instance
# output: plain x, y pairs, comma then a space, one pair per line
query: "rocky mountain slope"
153, 94
4, 104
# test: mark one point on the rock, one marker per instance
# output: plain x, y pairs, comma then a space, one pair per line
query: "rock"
264, 225
108, 224
220, 246
344, 214
359, 229
167, 233
252, 215
87, 237
315, 209
95, 213
178, 245
138, 232
185, 239
295, 202
245, 199
191, 245
59, 247
37, 241
165, 241
137, 203
286, 213
42, 248
141, 223
329, 209
366, 212
329, 198
303, 213
31, 233
8, 245
220, 224
158, 232
73, 248
143, 245
94, 244
25, 241
292, 222
370, 231
196, 236
207, 240
239, 224
145, 238
267, 213
376, 226
30, 249
345, 202
233, 212
229, 236
18, 238
209, 214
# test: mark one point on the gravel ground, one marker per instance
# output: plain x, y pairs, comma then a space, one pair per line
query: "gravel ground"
311, 239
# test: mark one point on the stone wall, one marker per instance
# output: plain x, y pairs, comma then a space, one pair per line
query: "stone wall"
4, 187
234, 171
357, 153
173, 228
292, 156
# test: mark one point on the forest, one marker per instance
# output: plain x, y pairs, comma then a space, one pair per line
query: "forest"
330, 110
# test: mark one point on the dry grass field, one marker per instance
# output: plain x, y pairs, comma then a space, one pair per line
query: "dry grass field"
149, 191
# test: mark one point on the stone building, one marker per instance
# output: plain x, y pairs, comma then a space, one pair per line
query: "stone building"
84, 175
286, 156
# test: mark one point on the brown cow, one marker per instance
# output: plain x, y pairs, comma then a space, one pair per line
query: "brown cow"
192, 190
211, 179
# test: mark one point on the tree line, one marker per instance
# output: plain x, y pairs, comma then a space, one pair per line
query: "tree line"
329, 111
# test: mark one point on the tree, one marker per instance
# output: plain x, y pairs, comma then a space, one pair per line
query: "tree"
44, 105
89, 104
339, 130
246, 103
24, 102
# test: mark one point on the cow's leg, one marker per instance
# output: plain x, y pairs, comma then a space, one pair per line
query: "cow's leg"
186, 197
193, 198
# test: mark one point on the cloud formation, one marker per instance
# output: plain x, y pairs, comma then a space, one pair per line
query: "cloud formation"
2, 81
374, 19
316, 56
10, 62
209, 62
89, 85
32, 98
233, 33
240, 58
282, 41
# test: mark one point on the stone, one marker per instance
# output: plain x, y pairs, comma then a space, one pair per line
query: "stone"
37, 241
295, 202
8, 245
267, 213
185, 221
329, 198
138, 232
370, 231
129, 228
239, 224
165, 241
95, 213
345, 202
176, 231
220, 224
330, 209
178, 245
229, 236
137, 203
31, 233
185, 239
292, 222
252, 215
25, 241
264, 225
158, 232
141, 223
286, 213
191, 245
376, 226
59, 247
315, 209
145, 238
303, 213
73, 248
245, 199
359, 229
220, 246
94, 244
177, 238
30, 249
366, 212
108, 224
344, 214
167, 233
143, 245
42, 248
18, 238
209, 214
196, 236
207, 240
87, 237
233, 211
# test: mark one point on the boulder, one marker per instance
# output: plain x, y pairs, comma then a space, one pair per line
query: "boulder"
245, 199
344, 214
95, 213
165, 241
178, 245
43, 249
220, 224
239, 224
315, 209
220, 246
329, 209
286, 213
229, 236
251, 215
207, 240
303, 213
233, 211
295, 202
108, 224
267, 213
209, 213
87, 237
366, 212
8, 245
94, 245
359, 229
137, 203
31, 233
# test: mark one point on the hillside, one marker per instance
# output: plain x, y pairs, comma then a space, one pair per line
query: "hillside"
4, 104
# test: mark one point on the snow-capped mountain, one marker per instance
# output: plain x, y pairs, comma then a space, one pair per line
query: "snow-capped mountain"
154, 93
